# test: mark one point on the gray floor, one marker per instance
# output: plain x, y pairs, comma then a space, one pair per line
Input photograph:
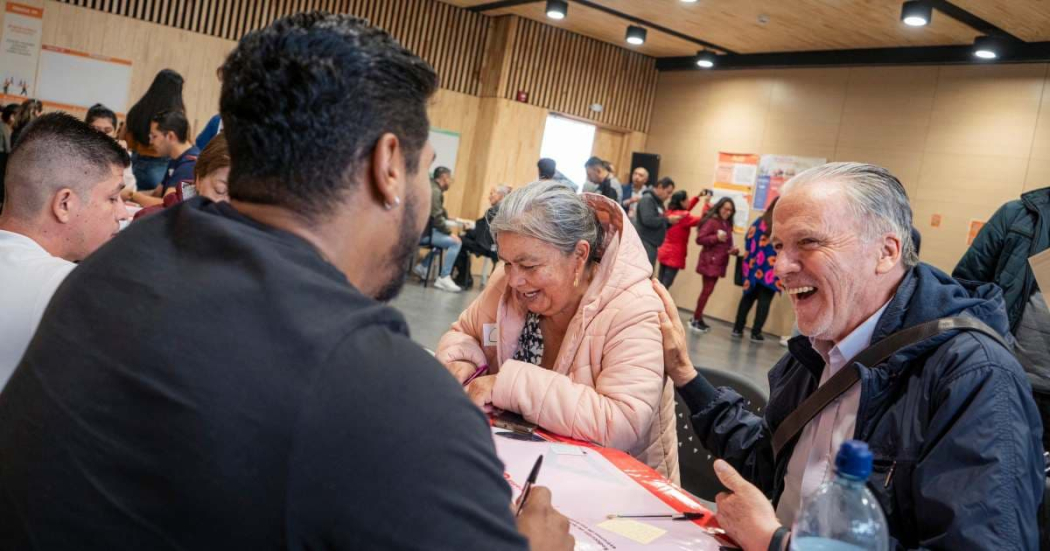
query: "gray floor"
430, 312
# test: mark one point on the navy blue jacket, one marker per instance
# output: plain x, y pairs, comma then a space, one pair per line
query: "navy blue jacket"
999, 254
951, 422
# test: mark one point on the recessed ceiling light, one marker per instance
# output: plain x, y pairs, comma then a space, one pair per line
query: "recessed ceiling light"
916, 13
557, 9
635, 35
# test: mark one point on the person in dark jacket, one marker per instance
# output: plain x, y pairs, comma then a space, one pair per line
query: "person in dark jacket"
283, 405
601, 180
652, 222
950, 420
478, 240
716, 237
1017, 231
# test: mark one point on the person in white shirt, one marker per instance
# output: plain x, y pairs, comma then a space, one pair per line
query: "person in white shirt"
61, 202
950, 419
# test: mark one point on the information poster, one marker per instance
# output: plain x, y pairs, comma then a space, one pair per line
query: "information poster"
19, 51
72, 80
774, 171
735, 178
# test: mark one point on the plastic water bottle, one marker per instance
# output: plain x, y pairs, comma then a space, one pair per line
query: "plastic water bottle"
843, 515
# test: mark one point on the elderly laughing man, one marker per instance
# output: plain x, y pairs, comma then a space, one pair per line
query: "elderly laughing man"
950, 418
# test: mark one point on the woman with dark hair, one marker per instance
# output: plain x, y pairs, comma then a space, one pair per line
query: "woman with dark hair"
671, 254
164, 94
29, 110
760, 282
716, 236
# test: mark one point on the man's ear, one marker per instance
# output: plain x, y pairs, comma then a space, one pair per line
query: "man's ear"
386, 175
63, 203
890, 253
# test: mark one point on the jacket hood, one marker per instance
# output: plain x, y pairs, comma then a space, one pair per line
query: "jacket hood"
927, 293
623, 260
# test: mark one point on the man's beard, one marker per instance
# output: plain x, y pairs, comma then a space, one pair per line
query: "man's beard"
407, 245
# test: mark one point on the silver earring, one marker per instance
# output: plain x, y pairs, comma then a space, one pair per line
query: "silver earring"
397, 201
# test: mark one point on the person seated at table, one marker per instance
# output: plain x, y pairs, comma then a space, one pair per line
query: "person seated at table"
104, 120
569, 327
478, 241
950, 419
282, 406
62, 203
169, 135
210, 178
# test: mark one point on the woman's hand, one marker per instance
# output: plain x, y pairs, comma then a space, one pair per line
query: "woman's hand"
480, 390
677, 364
461, 370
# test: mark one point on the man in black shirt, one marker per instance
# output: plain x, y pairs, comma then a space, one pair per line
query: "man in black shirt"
263, 398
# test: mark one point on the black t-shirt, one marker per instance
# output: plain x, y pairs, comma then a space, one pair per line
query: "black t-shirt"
207, 382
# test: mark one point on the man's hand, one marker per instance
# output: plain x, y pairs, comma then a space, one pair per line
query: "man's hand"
677, 364
744, 512
544, 527
480, 390
461, 370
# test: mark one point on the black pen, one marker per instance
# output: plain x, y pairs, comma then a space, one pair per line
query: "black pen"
528, 485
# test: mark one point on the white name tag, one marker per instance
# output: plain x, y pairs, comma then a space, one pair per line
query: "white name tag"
489, 329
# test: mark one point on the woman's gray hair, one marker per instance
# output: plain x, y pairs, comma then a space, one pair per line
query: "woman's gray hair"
552, 212
876, 198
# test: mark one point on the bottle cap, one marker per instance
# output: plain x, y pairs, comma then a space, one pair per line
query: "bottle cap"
854, 460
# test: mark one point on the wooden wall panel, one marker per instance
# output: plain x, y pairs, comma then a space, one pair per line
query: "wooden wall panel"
449, 38
963, 140
567, 73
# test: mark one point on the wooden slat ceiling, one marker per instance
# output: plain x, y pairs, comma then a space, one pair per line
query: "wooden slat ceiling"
793, 25
1028, 20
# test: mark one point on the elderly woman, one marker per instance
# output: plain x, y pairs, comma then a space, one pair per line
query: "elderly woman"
568, 330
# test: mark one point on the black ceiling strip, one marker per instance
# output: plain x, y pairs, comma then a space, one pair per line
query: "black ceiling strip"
970, 20
502, 4
651, 25
1030, 52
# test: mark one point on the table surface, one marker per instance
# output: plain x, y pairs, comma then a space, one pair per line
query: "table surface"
588, 483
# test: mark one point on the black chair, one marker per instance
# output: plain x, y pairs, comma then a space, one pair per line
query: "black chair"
695, 463
429, 257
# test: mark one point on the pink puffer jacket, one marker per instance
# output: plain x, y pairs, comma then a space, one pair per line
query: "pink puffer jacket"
608, 384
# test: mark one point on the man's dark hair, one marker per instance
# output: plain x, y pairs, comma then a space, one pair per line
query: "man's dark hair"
57, 151
441, 171
9, 112
99, 111
304, 102
665, 182
594, 161
547, 168
173, 121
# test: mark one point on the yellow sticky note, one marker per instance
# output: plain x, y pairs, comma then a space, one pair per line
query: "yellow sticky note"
633, 530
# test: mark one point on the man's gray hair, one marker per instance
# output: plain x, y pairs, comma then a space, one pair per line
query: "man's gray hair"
876, 198
552, 212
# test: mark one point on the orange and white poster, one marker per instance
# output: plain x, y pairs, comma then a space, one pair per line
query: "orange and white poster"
735, 178
19, 51
774, 171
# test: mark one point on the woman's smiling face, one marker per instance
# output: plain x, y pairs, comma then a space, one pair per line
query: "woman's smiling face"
540, 275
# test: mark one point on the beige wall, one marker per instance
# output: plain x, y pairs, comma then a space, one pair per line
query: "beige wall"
963, 140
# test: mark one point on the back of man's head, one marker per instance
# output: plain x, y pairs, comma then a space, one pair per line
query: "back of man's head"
56, 151
594, 162
8, 113
547, 168
441, 172
173, 121
301, 131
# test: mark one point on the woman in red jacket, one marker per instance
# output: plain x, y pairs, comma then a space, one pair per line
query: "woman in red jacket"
671, 254
716, 235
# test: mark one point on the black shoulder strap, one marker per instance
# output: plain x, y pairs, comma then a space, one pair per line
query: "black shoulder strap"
871, 356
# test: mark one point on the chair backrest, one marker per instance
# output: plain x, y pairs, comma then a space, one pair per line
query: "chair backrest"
695, 463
